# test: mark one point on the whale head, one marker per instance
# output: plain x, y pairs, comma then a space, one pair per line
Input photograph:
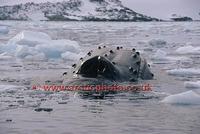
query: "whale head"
106, 65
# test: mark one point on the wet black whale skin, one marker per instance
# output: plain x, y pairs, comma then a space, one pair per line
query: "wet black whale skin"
108, 65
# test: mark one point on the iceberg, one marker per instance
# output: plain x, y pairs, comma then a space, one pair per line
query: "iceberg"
33, 45
30, 38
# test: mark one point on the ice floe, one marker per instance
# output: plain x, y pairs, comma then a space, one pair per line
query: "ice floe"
190, 84
70, 56
188, 97
58, 47
184, 72
37, 57
39, 45
30, 38
8, 88
161, 55
188, 50
157, 43
4, 30
5, 56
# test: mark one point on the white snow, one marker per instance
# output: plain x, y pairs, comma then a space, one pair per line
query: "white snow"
190, 84
37, 15
189, 97
188, 50
157, 43
73, 17
88, 8
184, 72
38, 45
4, 30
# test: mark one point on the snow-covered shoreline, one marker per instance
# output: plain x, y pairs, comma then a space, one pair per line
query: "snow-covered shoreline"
79, 10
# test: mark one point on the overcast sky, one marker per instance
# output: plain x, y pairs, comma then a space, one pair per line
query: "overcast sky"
157, 8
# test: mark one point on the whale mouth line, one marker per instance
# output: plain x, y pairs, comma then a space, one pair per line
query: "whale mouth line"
98, 66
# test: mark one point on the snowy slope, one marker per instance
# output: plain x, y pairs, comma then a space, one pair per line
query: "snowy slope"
86, 10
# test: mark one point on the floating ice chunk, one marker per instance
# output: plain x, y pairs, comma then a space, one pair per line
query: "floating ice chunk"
30, 38
22, 51
162, 56
37, 57
4, 30
188, 50
7, 48
70, 56
157, 43
189, 97
57, 47
6, 56
67, 45
190, 84
33, 45
1, 47
184, 72
8, 88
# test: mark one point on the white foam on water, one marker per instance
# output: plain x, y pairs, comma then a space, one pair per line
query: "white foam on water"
188, 97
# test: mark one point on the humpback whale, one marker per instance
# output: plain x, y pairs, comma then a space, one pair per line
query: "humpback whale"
108, 65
